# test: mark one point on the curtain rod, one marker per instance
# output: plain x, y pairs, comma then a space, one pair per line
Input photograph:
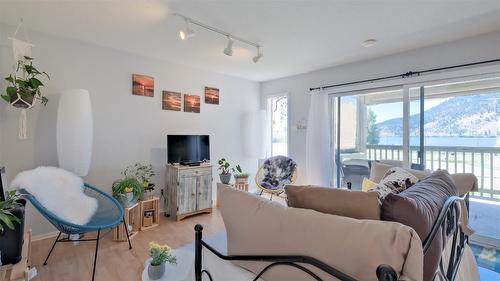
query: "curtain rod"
404, 75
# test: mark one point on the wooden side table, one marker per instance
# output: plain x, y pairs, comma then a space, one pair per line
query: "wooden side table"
132, 218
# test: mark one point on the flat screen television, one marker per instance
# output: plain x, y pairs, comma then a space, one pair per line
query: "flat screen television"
188, 149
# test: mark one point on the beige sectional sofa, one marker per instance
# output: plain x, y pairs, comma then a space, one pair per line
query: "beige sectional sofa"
356, 247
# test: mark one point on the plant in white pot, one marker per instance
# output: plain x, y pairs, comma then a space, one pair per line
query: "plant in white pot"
127, 191
239, 176
160, 254
224, 168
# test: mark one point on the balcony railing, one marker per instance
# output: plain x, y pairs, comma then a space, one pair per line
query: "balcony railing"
484, 162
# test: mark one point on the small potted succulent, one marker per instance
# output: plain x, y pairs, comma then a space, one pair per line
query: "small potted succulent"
160, 254
12, 211
239, 176
127, 191
23, 90
224, 168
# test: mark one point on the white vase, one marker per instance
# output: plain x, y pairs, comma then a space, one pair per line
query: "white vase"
156, 272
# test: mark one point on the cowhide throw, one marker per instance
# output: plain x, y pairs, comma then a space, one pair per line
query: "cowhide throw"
395, 180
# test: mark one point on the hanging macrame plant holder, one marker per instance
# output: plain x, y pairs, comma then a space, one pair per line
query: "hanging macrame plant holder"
20, 50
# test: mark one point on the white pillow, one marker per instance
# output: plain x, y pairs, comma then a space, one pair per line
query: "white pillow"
395, 180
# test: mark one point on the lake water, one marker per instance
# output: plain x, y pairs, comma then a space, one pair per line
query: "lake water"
445, 141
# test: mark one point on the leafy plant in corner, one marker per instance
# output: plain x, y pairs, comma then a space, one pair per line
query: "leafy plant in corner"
6, 207
127, 185
143, 173
28, 88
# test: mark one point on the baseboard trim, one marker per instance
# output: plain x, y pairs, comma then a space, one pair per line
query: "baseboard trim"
44, 236
55, 233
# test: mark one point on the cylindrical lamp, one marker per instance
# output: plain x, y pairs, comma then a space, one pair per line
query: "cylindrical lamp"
75, 131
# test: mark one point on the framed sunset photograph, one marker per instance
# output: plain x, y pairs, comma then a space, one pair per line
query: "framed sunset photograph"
171, 101
192, 103
143, 85
211, 95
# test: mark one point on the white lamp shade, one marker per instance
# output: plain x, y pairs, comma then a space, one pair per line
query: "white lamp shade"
75, 131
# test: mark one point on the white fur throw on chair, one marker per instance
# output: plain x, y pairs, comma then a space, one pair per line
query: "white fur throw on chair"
60, 191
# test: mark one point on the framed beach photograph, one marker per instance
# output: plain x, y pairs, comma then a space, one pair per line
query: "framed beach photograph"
191, 103
171, 101
143, 85
211, 95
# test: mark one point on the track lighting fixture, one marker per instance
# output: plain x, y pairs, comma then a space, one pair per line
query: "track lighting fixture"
258, 56
187, 32
228, 51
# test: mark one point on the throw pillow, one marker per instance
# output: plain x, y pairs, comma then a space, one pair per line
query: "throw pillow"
367, 184
419, 207
378, 170
341, 202
395, 180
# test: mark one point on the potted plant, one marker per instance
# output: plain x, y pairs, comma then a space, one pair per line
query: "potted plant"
160, 254
239, 176
127, 191
143, 173
224, 168
11, 228
21, 91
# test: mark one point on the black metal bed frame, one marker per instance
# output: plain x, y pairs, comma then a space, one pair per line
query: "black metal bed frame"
446, 223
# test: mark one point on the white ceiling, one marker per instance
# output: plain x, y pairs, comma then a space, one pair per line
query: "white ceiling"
298, 35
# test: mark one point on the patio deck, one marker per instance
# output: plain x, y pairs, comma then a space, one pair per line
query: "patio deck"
484, 217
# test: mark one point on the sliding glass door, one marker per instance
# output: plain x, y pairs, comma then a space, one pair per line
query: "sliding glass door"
369, 127
452, 125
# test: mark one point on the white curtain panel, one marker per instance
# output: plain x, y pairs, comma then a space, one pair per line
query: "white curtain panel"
318, 164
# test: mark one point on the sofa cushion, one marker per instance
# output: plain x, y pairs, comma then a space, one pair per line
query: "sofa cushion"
419, 207
367, 184
257, 226
341, 202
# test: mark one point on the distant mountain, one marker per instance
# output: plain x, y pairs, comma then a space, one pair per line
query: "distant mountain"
477, 115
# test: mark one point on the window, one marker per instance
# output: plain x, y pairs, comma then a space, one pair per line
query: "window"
277, 109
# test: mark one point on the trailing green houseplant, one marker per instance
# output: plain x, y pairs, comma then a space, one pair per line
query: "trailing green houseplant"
23, 91
127, 190
224, 168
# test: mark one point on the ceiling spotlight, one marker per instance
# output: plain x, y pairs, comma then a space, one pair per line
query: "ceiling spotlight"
258, 56
187, 32
369, 43
228, 51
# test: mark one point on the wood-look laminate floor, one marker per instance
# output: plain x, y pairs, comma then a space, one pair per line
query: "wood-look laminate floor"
115, 261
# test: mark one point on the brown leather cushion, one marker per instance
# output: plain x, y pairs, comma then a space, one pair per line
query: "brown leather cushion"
419, 207
341, 202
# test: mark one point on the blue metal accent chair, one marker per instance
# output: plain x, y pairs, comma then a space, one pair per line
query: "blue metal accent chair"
108, 215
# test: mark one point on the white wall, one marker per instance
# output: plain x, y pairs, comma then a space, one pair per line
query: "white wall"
127, 128
483, 47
